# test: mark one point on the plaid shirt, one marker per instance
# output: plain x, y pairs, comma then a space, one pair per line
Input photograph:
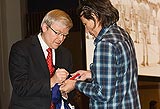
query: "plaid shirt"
114, 72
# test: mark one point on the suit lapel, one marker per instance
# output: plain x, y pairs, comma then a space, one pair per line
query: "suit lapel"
39, 55
58, 58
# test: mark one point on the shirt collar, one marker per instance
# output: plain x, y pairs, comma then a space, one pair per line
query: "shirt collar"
45, 47
43, 44
101, 34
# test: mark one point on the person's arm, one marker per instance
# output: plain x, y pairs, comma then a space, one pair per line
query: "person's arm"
103, 71
26, 80
102, 88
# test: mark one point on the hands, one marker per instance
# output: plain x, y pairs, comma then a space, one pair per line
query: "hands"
69, 84
84, 74
59, 76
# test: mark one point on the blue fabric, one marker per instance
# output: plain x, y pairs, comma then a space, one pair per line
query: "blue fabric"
57, 98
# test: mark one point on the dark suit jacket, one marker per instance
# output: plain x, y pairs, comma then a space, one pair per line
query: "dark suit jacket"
29, 74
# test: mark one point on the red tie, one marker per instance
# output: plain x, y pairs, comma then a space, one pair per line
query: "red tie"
50, 67
50, 62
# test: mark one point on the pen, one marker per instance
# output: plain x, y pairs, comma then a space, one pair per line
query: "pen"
75, 76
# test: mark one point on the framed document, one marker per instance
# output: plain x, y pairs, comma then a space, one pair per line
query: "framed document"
141, 19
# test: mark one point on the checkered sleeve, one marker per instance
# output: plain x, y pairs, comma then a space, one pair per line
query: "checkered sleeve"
103, 73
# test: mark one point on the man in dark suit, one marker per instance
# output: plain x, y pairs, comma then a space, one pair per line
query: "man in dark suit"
29, 73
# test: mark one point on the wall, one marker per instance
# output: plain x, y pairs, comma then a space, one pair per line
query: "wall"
10, 31
149, 91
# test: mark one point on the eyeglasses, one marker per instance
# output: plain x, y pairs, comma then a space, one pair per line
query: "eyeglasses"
58, 33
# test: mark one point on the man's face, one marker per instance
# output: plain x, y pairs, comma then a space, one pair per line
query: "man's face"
91, 27
54, 35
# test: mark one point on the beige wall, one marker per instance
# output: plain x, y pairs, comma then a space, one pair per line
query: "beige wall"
10, 31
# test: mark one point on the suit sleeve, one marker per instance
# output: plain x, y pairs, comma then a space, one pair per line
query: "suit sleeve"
23, 75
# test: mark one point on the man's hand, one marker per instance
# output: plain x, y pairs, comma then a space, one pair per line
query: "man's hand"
59, 76
84, 74
67, 86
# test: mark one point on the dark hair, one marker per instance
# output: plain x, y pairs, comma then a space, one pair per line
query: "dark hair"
106, 13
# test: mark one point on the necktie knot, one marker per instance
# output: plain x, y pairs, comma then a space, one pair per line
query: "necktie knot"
49, 50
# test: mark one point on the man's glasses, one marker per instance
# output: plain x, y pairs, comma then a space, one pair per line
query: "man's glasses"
58, 33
